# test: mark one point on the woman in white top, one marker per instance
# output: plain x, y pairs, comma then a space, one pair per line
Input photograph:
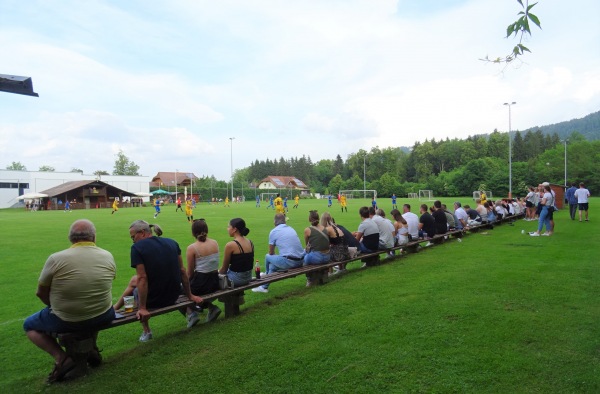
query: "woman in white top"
547, 204
401, 227
202, 268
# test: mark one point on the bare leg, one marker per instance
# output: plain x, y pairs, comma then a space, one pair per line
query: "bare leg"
47, 344
128, 292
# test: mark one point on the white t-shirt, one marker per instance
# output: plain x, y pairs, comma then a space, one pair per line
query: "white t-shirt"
412, 220
582, 195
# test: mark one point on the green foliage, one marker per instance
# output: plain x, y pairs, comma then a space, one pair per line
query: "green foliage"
124, 166
16, 166
101, 172
77, 170
519, 29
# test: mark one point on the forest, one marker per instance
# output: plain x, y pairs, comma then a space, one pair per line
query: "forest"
452, 167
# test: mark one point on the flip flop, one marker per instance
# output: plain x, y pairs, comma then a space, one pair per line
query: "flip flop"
60, 370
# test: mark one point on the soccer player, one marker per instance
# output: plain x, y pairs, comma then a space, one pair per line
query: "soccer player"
271, 202
374, 203
115, 206
278, 204
178, 204
257, 201
343, 203
329, 203
226, 202
394, 205
285, 207
188, 210
156, 207
296, 200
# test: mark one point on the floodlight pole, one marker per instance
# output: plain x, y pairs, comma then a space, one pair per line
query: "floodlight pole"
565, 141
231, 139
509, 150
365, 175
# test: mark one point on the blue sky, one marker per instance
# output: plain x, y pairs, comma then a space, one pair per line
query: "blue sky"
170, 82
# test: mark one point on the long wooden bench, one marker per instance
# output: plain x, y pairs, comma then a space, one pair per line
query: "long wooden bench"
81, 346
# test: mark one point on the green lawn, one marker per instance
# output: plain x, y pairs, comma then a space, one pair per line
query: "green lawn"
499, 312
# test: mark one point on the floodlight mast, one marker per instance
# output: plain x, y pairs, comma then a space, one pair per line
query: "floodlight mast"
17, 84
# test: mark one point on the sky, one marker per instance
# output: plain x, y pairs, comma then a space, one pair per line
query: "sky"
210, 86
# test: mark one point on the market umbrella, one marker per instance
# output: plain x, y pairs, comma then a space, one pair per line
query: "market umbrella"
160, 191
31, 196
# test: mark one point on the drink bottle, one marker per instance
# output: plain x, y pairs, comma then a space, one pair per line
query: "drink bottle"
257, 270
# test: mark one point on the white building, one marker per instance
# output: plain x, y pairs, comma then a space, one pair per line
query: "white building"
16, 183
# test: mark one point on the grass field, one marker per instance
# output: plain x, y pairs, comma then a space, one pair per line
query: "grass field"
499, 312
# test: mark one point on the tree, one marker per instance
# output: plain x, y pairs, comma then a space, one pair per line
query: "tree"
101, 172
77, 170
46, 168
124, 166
16, 166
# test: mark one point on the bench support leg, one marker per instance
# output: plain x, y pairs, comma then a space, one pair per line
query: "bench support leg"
81, 347
232, 304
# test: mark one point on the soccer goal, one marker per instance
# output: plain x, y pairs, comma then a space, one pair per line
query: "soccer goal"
426, 195
267, 196
413, 195
477, 194
359, 193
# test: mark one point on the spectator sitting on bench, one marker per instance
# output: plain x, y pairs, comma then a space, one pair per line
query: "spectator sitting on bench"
202, 268
76, 285
238, 257
441, 223
291, 253
426, 223
316, 238
387, 231
401, 227
368, 232
491, 214
474, 217
461, 216
412, 221
450, 218
160, 275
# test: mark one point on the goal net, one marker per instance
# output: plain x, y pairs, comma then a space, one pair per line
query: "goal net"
359, 193
413, 195
477, 194
267, 196
426, 195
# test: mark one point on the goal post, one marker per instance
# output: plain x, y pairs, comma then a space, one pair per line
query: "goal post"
267, 196
477, 194
426, 195
355, 193
413, 195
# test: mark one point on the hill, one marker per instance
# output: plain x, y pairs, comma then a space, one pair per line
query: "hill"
588, 126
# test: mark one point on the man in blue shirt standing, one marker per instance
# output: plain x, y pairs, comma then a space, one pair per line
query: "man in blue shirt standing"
572, 200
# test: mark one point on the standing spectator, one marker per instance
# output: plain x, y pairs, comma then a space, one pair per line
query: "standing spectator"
412, 221
572, 200
291, 253
547, 203
76, 285
582, 195
368, 233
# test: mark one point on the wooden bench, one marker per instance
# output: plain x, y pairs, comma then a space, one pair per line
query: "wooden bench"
81, 346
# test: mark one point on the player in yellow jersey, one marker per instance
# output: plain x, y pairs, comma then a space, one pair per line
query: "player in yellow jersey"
296, 200
343, 202
226, 202
115, 206
188, 210
483, 197
278, 204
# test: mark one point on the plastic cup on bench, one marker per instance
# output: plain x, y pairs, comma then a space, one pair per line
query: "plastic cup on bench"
128, 302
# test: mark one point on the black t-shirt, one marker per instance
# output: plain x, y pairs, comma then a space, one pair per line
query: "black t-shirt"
350, 240
160, 257
441, 222
428, 224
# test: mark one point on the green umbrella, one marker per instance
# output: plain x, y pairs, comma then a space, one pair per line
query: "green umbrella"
160, 191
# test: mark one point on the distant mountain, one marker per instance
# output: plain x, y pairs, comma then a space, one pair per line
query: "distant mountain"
588, 126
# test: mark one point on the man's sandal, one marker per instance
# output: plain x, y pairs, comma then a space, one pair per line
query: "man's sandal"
60, 370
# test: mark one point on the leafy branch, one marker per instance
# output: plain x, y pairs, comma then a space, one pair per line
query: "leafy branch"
520, 28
